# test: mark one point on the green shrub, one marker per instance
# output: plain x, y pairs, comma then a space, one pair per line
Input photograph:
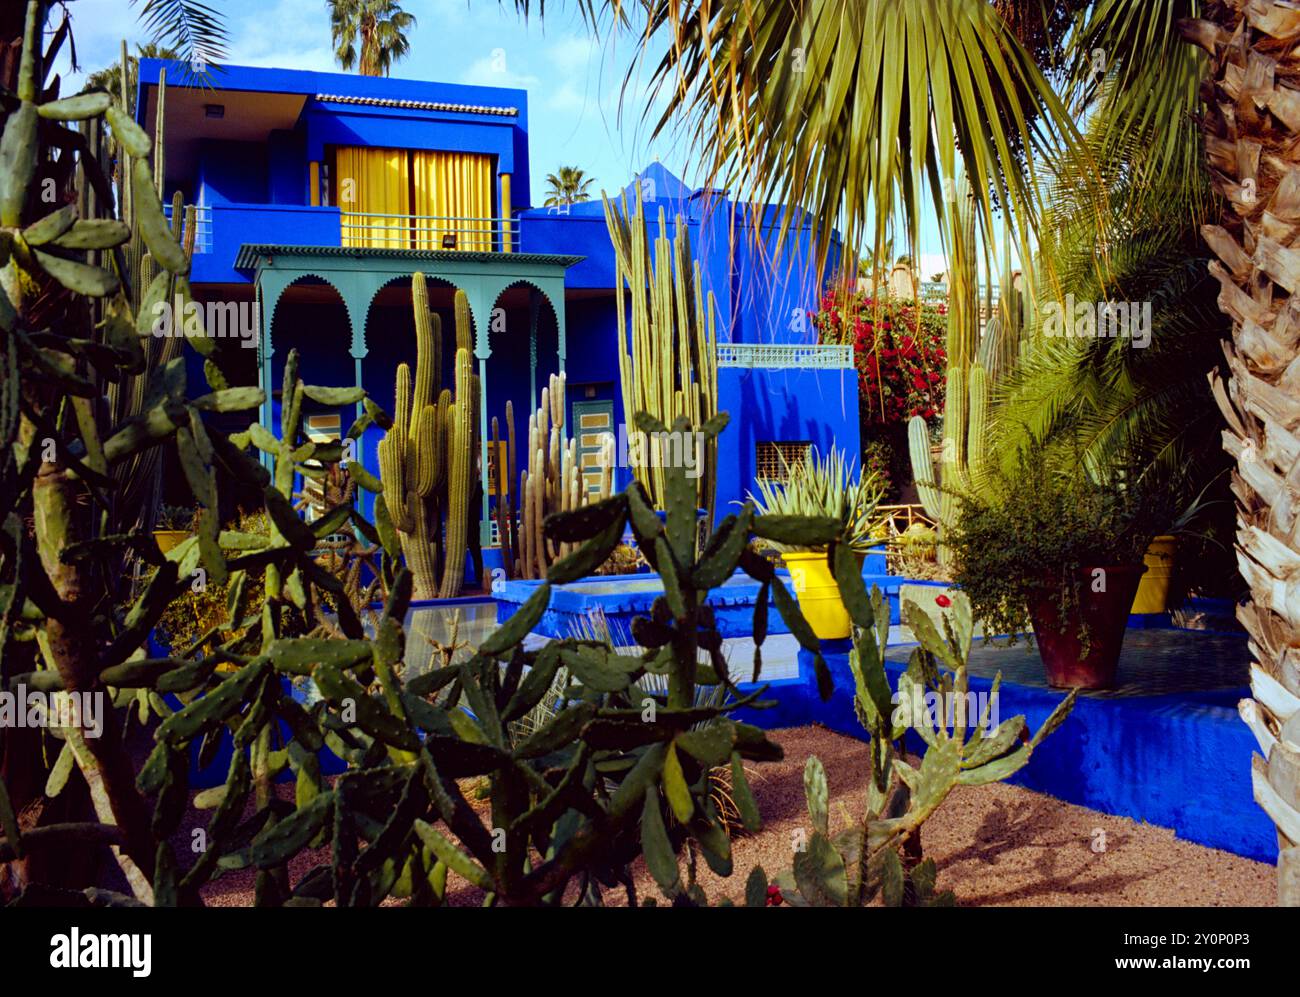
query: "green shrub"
1035, 531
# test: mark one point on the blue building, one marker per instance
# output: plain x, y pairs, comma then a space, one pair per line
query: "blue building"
319, 194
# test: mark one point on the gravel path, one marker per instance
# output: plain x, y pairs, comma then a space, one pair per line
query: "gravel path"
994, 845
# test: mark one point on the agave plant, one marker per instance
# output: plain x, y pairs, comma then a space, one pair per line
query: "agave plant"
826, 486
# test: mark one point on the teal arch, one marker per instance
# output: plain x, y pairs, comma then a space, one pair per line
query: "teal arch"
359, 274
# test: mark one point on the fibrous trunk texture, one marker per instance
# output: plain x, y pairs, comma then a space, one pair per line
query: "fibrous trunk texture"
1252, 142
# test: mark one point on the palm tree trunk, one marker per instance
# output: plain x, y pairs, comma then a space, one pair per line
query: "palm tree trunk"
1252, 141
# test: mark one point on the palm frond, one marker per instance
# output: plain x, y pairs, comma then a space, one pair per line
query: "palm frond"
190, 27
854, 111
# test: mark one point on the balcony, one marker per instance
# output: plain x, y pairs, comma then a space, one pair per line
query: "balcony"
474, 235
222, 228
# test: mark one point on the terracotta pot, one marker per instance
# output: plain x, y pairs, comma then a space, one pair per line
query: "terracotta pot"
1106, 616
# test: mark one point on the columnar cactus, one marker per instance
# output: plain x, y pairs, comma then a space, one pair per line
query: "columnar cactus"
553, 481
964, 451
420, 455
460, 456
667, 348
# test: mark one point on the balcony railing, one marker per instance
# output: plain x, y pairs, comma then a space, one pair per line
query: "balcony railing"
382, 231
779, 355
202, 227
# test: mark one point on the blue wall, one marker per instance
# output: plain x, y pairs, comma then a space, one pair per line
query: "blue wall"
817, 406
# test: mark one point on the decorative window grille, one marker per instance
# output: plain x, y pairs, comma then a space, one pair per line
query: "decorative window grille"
772, 458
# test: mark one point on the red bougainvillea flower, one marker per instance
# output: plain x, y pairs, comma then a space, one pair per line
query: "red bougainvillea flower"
943, 601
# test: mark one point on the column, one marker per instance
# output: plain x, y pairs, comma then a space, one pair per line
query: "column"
481, 310
534, 306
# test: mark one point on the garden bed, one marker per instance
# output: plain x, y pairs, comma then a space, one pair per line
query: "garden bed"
994, 845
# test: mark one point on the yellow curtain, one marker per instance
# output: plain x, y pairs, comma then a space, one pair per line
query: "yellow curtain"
371, 184
449, 187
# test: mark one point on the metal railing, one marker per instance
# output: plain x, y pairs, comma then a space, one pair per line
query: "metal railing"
900, 518
202, 227
386, 231
815, 356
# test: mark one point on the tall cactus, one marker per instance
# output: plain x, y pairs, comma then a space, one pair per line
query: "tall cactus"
964, 451
667, 357
422, 459
461, 449
552, 481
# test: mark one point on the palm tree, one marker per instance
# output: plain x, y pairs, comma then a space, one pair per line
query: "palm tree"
110, 79
379, 26
569, 186
854, 111
1251, 132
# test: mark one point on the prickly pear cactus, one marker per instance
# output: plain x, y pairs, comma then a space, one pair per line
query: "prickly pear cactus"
879, 854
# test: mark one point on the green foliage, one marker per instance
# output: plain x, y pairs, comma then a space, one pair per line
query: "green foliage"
1034, 531
200, 612
879, 853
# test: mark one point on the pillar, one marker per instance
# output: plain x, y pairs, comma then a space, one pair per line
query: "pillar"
480, 308
534, 306
313, 183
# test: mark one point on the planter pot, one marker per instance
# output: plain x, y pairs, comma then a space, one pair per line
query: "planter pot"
818, 595
1106, 616
1153, 591
167, 539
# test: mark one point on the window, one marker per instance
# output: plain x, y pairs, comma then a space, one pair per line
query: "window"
772, 457
414, 199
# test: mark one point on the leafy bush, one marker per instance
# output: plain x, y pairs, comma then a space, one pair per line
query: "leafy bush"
1035, 531
898, 352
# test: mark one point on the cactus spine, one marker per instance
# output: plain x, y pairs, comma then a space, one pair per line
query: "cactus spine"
424, 456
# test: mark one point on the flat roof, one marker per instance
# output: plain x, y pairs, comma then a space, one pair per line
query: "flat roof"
381, 91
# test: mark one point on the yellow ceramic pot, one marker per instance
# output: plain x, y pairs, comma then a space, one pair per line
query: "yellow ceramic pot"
818, 595
1153, 590
167, 539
